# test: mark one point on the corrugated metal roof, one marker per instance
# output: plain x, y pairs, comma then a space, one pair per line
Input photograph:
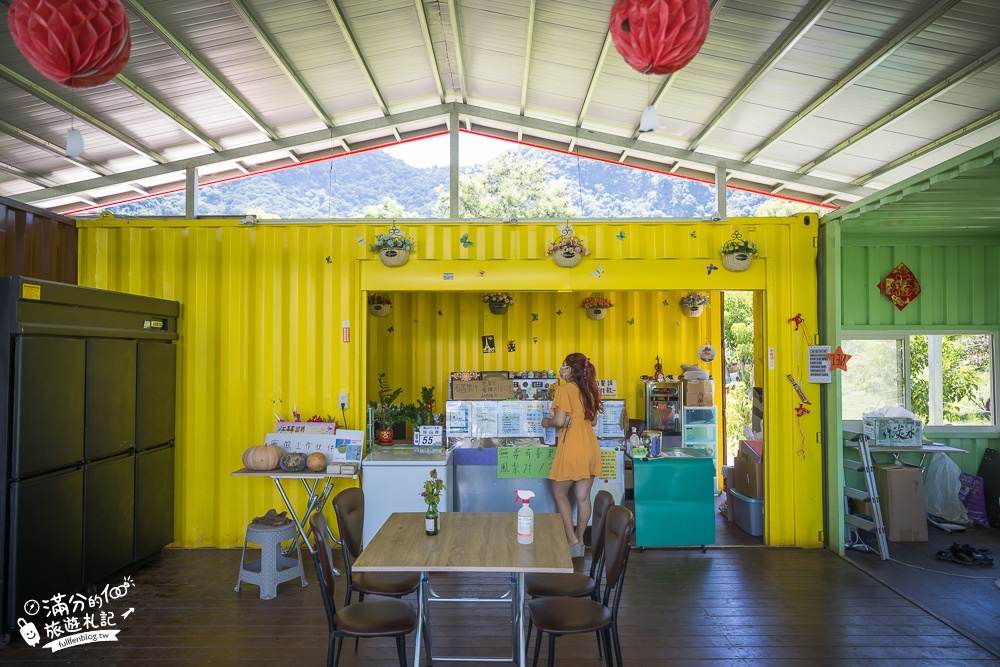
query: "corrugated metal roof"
827, 100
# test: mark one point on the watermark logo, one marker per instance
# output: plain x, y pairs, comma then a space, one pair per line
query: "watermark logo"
75, 619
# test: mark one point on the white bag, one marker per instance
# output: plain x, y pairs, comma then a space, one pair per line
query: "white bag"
941, 490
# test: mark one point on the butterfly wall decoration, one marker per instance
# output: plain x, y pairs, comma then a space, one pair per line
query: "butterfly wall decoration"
598, 272
631, 320
665, 303
391, 329
466, 243
711, 267
694, 235
329, 260
361, 240
620, 235
534, 317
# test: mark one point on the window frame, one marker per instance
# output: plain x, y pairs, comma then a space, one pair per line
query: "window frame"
855, 425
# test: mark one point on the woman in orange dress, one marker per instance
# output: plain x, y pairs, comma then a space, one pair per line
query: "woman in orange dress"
578, 455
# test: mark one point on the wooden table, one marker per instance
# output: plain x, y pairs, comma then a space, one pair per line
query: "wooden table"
468, 542
319, 491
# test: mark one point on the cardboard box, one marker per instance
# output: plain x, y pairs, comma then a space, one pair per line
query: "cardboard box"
901, 495
493, 389
699, 393
893, 432
748, 477
728, 483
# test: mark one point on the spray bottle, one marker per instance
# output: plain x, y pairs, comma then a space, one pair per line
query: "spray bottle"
525, 518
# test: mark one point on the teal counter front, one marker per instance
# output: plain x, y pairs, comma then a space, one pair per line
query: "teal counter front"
674, 499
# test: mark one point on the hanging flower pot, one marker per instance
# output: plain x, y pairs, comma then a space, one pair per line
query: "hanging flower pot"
568, 250
498, 302
693, 311
394, 247
738, 252
567, 258
596, 306
380, 309
394, 256
737, 261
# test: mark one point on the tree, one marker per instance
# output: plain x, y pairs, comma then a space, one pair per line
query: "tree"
387, 208
737, 341
959, 376
776, 207
511, 185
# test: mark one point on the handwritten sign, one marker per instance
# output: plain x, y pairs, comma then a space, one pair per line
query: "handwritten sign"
608, 388
491, 389
535, 462
344, 446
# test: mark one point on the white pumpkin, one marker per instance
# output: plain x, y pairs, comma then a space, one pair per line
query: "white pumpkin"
262, 457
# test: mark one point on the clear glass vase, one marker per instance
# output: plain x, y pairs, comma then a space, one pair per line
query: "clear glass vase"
432, 521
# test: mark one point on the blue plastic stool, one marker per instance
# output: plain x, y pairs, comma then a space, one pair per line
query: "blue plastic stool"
273, 568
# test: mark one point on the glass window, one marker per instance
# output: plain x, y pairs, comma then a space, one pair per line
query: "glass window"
945, 379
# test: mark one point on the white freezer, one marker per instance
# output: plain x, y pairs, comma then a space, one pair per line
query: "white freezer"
393, 478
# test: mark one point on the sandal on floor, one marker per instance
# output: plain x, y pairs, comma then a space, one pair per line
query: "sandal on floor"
958, 554
576, 550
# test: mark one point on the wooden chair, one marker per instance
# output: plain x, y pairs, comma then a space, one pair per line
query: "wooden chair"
573, 615
349, 507
576, 585
376, 618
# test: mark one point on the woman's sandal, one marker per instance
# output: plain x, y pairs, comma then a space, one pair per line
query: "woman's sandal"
576, 550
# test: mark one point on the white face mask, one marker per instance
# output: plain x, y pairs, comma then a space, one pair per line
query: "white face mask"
565, 372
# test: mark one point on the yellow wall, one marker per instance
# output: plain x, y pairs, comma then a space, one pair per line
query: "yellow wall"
262, 311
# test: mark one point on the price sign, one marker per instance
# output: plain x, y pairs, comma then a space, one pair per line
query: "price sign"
428, 436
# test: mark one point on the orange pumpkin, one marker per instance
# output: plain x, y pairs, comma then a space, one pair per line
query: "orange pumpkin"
262, 457
316, 462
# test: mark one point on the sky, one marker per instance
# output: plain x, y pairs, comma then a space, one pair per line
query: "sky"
472, 150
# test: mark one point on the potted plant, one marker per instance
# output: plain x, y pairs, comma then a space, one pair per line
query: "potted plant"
386, 414
568, 250
596, 306
394, 247
738, 252
432, 496
693, 304
379, 305
498, 301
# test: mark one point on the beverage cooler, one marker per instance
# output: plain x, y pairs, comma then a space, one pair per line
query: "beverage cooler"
393, 477
88, 392
660, 406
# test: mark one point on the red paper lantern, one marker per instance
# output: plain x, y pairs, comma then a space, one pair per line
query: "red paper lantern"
78, 43
659, 36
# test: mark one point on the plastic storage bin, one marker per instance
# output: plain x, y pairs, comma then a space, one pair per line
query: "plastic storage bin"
749, 513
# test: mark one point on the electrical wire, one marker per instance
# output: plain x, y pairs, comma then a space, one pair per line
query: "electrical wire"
861, 545
343, 414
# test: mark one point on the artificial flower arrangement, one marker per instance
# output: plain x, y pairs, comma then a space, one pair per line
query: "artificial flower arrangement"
376, 299
596, 300
502, 298
433, 488
693, 300
740, 245
394, 239
567, 243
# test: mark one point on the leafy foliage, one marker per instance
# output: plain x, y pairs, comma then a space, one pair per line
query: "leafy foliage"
433, 488
387, 413
959, 377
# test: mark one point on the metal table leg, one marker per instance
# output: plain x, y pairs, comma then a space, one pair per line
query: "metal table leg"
315, 503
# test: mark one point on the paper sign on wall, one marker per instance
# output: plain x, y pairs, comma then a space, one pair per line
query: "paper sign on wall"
535, 462
819, 364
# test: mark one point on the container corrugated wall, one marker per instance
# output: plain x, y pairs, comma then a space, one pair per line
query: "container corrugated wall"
266, 311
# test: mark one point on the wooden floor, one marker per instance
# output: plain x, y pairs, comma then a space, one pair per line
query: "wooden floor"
729, 606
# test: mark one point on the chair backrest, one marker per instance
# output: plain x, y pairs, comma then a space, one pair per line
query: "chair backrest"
323, 558
618, 528
349, 506
603, 501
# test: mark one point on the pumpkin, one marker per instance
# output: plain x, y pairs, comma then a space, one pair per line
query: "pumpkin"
316, 462
293, 462
262, 457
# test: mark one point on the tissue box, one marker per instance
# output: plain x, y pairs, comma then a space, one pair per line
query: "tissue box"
893, 431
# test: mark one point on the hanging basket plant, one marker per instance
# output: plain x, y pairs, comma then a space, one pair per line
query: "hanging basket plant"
379, 305
498, 302
596, 306
568, 250
394, 247
693, 305
738, 252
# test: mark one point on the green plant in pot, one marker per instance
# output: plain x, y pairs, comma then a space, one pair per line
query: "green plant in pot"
386, 413
421, 413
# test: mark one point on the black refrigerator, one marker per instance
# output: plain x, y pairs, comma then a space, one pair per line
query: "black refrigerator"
86, 444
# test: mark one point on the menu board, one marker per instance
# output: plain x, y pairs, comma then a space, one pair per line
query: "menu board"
485, 419
459, 417
511, 419
609, 421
